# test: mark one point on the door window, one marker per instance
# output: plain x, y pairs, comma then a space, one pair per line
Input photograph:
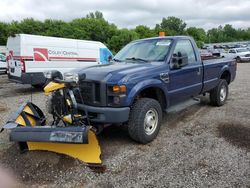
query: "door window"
185, 47
2, 57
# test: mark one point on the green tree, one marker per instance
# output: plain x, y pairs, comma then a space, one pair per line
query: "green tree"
31, 26
13, 28
198, 34
57, 28
172, 26
95, 27
95, 15
145, 32
3, 33
230, 33
119, 40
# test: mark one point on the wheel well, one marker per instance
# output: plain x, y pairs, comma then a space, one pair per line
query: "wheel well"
226, 76
154, 93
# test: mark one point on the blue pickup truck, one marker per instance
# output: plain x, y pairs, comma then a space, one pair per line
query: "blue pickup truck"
148, 77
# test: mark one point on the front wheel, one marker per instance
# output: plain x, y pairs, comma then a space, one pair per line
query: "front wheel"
219, 94
145, 120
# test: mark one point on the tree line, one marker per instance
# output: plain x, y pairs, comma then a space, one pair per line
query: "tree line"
95, 27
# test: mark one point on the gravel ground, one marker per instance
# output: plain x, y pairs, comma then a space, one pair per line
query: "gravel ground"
202, 146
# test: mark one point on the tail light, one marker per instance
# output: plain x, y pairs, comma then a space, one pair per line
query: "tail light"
23, 65
8, 67
8, 64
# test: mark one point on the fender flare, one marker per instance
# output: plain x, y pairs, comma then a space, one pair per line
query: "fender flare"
144, 85
224, 68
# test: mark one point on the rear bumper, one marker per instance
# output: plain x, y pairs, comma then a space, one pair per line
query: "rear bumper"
36, 78
106, 114
3, 70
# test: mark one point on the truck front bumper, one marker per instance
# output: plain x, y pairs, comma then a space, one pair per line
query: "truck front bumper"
106, 114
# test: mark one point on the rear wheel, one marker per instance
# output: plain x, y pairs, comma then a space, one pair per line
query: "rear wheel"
219, 94
238, 59
145, 120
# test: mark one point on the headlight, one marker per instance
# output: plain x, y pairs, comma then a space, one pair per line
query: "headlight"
71, 77
48, 74
51, 75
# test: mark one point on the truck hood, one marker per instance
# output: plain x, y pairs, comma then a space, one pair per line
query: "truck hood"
114, 72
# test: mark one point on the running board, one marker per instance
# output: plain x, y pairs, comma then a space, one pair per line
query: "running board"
183, 105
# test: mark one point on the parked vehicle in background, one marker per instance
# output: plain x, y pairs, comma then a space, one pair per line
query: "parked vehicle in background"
240, 54
31, 55
3, 65
205, 54
215, 52
3, 50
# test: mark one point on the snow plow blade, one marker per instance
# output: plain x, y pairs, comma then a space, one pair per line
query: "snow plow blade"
28, 129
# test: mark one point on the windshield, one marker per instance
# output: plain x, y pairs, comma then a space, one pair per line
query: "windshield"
145, 50
242, 50
2, 57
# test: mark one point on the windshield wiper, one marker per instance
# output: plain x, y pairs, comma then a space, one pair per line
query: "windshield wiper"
136, 58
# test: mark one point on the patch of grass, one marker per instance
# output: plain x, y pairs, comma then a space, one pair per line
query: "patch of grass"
236, 134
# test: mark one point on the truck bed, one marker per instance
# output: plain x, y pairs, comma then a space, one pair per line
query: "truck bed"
213, 69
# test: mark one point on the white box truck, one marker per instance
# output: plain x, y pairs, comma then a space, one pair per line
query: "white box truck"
29, 56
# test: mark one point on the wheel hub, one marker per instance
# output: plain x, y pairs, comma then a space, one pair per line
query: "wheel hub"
150, 121
223, 93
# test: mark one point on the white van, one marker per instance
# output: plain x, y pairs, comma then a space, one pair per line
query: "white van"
29, 56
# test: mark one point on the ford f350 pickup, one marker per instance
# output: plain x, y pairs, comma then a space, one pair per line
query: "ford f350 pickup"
148, 77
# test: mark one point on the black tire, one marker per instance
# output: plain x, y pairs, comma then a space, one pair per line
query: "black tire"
238, 59
216, 97
38, 86
143, 107
41, 85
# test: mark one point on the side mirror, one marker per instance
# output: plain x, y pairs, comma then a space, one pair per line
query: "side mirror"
110, 58
179, 60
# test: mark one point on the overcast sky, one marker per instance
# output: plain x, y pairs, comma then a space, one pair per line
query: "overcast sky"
129, 13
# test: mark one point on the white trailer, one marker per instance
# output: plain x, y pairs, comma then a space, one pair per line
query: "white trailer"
29, 56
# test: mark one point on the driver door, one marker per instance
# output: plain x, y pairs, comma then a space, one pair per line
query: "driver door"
185, 81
